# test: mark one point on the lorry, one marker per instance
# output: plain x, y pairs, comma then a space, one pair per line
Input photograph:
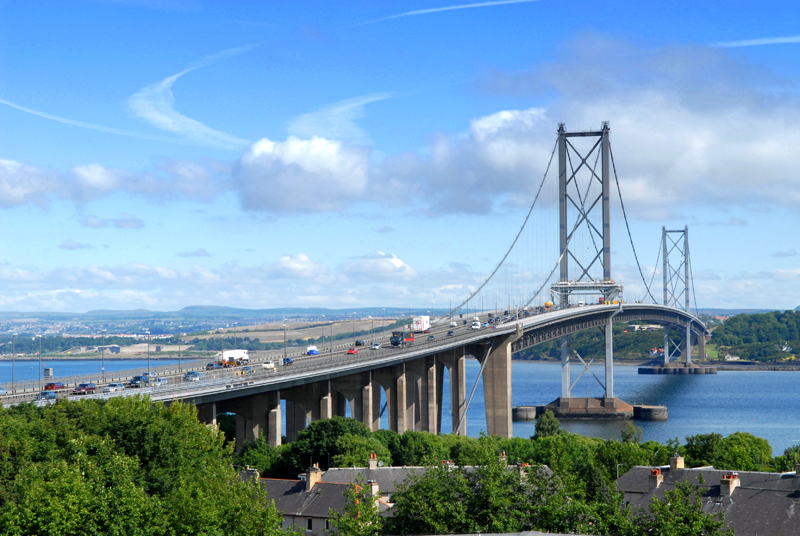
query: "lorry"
421, 324
402, 338
232, 357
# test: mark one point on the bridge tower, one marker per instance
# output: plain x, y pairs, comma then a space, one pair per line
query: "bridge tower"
584, 225
675, 273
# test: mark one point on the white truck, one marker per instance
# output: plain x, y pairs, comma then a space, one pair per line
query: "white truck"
232, 356
421, 324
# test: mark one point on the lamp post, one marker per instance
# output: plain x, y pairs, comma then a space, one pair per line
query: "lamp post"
180, 368
40, 362
147, 331
354, 328
234, 335
284, 340
331, 337
383, 322
13, 361
104, 356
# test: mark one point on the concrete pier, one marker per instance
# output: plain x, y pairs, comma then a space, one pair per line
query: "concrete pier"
592, 409
679, 368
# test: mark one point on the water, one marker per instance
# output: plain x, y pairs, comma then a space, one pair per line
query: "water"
757, 402
29, 369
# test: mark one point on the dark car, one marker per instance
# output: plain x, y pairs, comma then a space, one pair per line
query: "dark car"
137, 381
359, 342
84, 389
430, 338
54, 386
213, 366
247, 370
451, 332
287, 361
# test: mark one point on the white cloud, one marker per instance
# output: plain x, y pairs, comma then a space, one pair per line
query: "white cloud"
313, 175
759, 42
298, 266
336, 121
431, 10
21, 184
789, 253
127, 221
378, 267
94, 222
155, 104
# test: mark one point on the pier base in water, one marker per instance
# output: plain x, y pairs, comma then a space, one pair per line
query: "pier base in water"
679, 368
591, 409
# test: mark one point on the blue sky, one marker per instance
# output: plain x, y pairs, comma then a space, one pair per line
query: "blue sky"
159, 154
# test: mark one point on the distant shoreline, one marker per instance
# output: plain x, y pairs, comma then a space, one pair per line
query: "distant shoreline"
721, 367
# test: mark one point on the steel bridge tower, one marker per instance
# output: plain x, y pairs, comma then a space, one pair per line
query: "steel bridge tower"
584, 224
676, 277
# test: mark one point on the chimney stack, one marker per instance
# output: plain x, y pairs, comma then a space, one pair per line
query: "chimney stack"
676, 462
797, 469
373, 461
729, 482
503, 458
313, 475
656, 478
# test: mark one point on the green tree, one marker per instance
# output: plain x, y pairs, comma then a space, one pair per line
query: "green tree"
631, 433
355, 451
317, 443
547, 425
681, 514
361, 516
420, 448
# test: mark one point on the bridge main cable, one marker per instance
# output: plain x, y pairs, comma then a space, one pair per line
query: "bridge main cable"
516, 238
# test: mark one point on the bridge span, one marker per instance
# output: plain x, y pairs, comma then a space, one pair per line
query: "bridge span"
411, 378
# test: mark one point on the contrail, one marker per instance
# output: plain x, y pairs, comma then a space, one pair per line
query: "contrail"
447, 8
758, 42
91, 126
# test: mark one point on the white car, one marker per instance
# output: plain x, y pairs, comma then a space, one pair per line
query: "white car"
158, 382
453, 324
269, 365
376, 346
476, 325
113, 387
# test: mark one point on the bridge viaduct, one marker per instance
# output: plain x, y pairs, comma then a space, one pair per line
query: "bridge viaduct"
412, 378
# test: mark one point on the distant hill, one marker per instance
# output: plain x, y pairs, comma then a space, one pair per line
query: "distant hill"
732, 312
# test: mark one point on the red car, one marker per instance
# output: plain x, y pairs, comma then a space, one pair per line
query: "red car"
84, 389
352, 351
54, 386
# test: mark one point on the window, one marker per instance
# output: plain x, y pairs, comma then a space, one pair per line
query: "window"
328, 525
309, 527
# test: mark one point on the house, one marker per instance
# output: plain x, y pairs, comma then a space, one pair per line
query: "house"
306, 503
751, 502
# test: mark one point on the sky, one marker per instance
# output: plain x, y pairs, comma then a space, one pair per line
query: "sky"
158, 154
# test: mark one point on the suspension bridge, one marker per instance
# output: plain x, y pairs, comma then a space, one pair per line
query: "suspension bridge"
549, 297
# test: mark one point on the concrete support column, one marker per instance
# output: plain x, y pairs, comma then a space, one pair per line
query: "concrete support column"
326, 403
701, 345
666, 345
430, 420
401, 394
497, 385
455, 361
366, 405
207, 413
609, 360
688, 344
376, 405
274, 418
565, 378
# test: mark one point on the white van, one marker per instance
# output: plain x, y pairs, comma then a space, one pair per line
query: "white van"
269, 365
453, 324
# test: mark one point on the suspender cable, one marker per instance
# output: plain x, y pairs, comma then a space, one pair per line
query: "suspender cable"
635, 256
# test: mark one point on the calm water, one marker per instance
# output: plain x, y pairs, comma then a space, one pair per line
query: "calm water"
761, 403
29, 369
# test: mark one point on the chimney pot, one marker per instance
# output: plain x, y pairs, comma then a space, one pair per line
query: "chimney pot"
656, 478
730, 481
